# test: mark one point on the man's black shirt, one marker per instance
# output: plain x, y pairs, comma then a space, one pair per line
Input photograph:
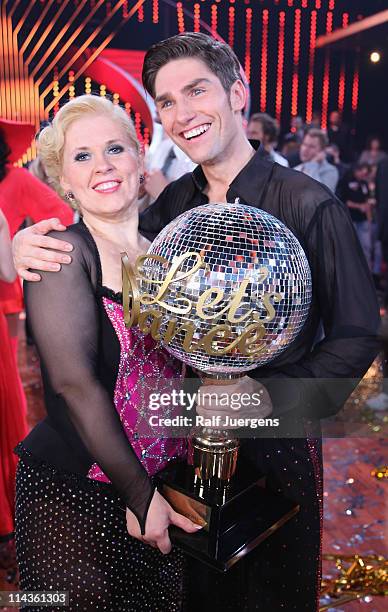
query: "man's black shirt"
308, 379
356, 191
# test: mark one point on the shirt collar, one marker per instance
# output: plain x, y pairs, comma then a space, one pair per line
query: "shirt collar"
249, 183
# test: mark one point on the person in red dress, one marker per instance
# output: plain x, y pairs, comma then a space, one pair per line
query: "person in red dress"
12, 415
21, 196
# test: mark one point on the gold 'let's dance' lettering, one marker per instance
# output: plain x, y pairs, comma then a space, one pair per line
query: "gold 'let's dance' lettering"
219, 339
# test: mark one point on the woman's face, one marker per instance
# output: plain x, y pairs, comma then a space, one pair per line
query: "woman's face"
100, 166
375, 144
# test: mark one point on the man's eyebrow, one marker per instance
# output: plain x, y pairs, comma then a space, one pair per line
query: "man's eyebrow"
185, 89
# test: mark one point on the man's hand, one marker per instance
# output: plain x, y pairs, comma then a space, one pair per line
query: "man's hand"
33, 249
160, 516
245, 398
320, 157
154, 183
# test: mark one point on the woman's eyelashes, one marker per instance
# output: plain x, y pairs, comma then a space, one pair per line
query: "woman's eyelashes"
112, 149
81, 156
116, 148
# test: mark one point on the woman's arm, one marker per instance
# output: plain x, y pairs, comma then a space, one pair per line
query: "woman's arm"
64, 320
7, 270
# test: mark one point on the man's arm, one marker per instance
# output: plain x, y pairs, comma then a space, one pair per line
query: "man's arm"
318, 385
329, 176
33, 249
324, 173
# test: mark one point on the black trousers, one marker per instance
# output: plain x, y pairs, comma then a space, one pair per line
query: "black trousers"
284, 572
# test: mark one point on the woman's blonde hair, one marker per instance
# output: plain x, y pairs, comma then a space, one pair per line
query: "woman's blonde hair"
52, 138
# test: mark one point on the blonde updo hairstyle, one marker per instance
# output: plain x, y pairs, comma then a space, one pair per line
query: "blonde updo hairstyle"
52, 138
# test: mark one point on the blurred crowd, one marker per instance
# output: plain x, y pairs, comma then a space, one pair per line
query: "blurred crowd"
357, 178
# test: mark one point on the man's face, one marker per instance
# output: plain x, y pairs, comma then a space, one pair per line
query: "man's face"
335, 118
310, 147
255, 131
196, 112
361, 174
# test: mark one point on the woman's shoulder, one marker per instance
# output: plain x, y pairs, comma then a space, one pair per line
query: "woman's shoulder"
77, 234
84, 257
84, 247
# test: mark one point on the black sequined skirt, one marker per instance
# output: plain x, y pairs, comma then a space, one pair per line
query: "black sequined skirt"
71, 536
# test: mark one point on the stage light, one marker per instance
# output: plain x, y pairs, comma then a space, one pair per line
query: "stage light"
355, 89
248, 40
180, 16
326, 75
279, 76
197, 17
264, 60
295, 76
231, 26
213, 11
310, 77
155, 11
375, 57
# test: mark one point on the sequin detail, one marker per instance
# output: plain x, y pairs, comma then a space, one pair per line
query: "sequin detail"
315, 460
144, 368
75, 539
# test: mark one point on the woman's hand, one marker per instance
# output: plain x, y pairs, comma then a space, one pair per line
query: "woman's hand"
160, 516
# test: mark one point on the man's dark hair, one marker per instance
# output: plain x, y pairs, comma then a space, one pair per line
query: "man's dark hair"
5, 152
269, 124
320, 134
360, 166
370, 139
217, 56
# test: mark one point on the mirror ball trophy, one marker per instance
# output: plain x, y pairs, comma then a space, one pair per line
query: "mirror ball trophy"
225, 288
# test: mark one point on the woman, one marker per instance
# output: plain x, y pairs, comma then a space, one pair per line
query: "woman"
86, 460
12, 417
22, 195
12, 421
373, 152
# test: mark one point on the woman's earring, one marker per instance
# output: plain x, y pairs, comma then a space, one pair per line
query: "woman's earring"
141, 179
69, 195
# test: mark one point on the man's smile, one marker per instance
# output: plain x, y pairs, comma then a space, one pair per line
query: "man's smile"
196, 131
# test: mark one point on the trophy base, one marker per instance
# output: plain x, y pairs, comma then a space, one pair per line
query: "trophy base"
235, 520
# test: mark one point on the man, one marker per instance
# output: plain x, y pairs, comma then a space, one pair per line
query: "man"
313, 157
265, 128
382, 214
339, 134
196, 84
164, 162
380, 401
333, 157
355, 193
